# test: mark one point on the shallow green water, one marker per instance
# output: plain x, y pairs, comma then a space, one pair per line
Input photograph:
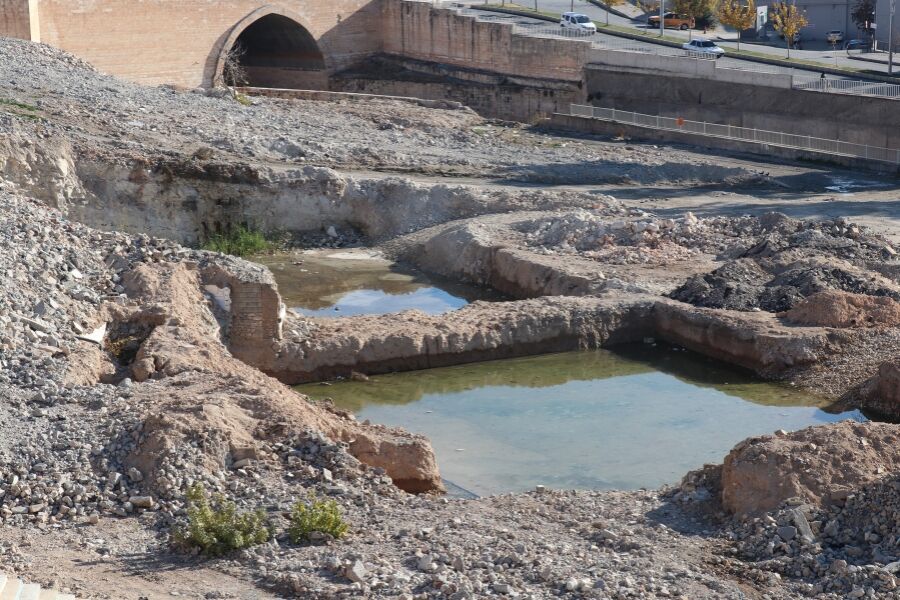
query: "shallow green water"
355, 282
640, 417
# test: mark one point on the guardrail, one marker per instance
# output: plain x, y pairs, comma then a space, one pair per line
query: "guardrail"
746, 134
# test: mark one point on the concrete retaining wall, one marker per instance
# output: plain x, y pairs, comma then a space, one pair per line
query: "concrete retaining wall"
745, 99
418, 30
596, 126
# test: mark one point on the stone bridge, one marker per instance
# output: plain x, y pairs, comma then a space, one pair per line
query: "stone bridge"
278, 43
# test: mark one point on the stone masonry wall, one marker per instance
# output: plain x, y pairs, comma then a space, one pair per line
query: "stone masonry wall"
180, 41
15, 19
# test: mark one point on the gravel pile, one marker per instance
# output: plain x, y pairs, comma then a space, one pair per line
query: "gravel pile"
122, 122
779, 263
850, 549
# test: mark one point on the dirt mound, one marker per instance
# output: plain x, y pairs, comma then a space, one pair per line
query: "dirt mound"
815, 464
843, 309
199, 396
751, 284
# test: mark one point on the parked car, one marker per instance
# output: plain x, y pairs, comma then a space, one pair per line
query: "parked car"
705, 47
578, 21
856, 46
835, 36
673, 21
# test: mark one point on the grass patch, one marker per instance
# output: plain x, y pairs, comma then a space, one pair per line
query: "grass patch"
238, 241
19, 105
322, 516
20, 109
217, 528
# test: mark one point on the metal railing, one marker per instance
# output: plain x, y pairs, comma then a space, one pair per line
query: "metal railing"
847, 86
746, 134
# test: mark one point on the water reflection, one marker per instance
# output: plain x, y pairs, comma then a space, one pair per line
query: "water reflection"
639, 417
355, 282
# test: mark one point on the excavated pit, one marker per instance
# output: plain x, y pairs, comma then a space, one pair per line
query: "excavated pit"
500, 206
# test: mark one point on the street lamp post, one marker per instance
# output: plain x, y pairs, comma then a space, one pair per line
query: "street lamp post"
891, 40
662, 21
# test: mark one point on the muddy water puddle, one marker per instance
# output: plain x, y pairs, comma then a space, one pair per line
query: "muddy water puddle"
641, 416
362, 282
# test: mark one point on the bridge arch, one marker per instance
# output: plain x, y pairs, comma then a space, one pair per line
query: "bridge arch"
272, 47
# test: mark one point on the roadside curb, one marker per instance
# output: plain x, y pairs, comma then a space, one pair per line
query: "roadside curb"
611, 10
650, 40
512, 11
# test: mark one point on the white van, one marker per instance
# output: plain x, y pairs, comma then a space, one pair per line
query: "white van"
575, 20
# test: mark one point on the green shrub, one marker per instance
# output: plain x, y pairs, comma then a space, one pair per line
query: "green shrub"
238, 241
217, 527
323, 516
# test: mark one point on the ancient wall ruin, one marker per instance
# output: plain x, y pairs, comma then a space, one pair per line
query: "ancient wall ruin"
182, 41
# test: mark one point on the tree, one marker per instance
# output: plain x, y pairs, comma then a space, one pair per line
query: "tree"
737, 15
233, 71
649, 6
788, 20
863, 14
699, 10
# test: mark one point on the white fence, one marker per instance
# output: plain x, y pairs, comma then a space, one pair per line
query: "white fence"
848, 86
760, 136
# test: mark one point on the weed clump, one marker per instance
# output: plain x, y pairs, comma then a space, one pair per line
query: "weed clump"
314, 515
238, 241
217, 528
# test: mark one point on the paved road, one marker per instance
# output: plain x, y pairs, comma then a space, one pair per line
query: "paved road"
600, 37
726, 39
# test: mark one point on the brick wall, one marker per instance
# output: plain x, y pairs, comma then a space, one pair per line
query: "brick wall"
180, 41
256, 311
15, 19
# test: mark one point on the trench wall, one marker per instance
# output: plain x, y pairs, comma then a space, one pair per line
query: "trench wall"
488, 93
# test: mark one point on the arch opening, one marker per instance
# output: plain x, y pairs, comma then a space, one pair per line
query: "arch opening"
276, 51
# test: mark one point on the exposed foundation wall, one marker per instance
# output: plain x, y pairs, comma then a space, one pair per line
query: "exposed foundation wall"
256, 313
857, 119
179, 41
488, 93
